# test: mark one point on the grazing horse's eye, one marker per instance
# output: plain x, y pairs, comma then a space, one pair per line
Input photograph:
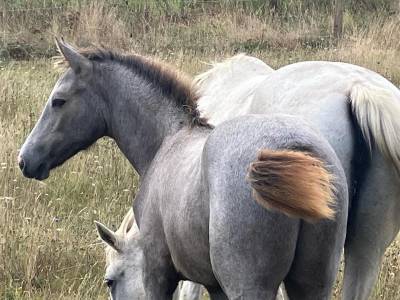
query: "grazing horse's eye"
57, 102
109, 282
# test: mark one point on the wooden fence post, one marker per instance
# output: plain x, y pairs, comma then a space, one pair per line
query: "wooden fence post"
273, 5
395, 6
338, 19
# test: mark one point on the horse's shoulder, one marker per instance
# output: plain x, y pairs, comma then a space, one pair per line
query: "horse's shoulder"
233, 69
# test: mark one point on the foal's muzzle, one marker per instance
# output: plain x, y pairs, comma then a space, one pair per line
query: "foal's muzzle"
32, 168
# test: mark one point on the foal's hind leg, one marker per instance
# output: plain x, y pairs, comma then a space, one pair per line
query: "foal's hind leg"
318, 253
315, 266
251, 249
310, 279
373, 224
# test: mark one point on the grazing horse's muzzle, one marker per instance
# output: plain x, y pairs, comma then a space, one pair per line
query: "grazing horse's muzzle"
21, 163
33, 168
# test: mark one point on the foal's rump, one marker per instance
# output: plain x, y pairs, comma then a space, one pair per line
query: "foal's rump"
292, 169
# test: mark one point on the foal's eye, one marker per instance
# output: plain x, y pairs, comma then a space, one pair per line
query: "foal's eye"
109, 282
57, 102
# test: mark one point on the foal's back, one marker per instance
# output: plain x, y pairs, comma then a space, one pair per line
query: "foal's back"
257, 247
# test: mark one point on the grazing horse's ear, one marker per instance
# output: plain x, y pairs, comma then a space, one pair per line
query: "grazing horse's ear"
127, 223
108, 236
80, 64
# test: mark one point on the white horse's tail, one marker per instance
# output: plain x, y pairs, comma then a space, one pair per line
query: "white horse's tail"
377, 111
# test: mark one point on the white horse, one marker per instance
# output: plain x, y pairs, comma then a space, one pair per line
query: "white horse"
357, 110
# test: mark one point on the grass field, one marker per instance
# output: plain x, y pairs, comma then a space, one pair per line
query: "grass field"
48, 244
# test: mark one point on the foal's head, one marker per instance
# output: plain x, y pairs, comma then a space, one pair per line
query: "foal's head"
107, 93
123, 254
72, 119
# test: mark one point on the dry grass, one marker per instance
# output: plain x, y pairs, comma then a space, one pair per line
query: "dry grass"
48, 246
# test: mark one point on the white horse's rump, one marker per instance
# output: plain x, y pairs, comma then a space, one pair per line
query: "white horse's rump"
321, 92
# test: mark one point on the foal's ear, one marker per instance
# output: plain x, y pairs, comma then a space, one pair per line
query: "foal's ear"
80, 64
127, 223
107, 235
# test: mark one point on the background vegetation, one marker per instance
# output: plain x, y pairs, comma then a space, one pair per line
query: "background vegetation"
48, 245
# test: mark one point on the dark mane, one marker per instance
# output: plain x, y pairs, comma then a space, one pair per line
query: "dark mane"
171, 83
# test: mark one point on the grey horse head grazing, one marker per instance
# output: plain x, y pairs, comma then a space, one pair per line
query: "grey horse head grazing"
124, 257
196, 212
124, 263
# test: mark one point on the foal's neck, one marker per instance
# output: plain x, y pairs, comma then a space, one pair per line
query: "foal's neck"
140, 116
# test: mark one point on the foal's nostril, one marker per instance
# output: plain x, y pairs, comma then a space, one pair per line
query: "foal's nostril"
21, 163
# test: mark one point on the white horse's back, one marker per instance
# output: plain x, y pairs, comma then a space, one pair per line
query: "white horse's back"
232, 71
